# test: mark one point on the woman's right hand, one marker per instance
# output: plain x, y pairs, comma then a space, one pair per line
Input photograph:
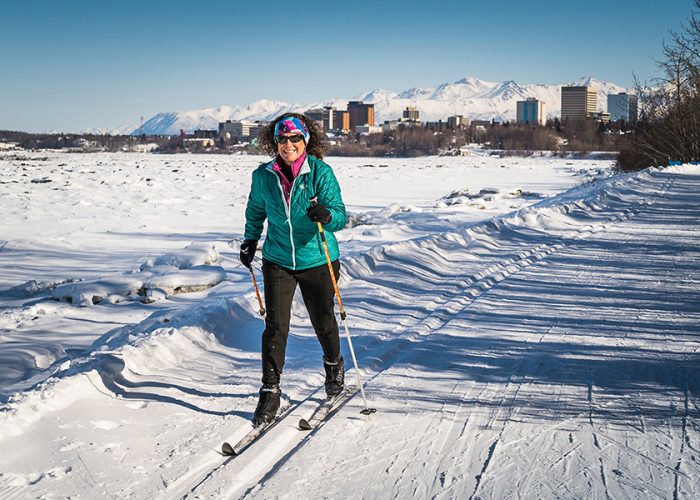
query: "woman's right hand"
247, 252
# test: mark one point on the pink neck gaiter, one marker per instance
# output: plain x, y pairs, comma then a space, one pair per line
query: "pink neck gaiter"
286, 183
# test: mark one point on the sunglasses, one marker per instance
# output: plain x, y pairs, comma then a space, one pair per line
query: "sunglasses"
282, 139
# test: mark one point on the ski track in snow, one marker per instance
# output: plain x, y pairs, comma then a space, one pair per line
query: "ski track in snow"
537, 355
601, 473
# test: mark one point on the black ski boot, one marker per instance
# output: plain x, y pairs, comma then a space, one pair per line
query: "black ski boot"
335, 376
268, 404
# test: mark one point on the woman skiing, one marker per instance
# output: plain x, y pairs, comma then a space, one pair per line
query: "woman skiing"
294, 192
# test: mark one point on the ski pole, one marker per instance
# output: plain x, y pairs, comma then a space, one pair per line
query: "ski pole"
257, 291
261, 309
343, 315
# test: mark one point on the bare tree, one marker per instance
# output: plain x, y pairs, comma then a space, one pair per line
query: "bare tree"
669, 122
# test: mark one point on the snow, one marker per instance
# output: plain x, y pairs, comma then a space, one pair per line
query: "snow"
526, 327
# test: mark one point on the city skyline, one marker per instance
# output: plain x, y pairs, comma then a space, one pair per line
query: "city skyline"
77, 65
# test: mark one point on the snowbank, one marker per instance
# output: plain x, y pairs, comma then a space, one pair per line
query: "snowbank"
177, 272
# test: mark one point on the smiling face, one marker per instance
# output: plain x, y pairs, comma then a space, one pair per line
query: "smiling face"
290, 151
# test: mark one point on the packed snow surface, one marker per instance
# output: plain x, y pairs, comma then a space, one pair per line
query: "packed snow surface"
526, 328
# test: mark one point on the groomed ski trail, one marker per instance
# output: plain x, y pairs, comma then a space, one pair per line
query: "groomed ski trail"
555, 398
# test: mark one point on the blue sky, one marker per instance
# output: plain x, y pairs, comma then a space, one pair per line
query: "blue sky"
76, 64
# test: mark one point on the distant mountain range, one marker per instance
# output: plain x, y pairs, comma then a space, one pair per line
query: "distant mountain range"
472, 97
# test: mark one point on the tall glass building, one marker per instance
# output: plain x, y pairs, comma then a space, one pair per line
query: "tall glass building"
531, 110
623, 106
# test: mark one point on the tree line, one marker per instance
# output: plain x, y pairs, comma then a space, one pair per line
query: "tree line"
79, 142
577, 136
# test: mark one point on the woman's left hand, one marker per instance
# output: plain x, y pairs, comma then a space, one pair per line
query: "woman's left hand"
318, 213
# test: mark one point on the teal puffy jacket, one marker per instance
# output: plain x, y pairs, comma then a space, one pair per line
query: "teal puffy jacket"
292, 240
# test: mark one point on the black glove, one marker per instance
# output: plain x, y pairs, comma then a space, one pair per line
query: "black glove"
318, 213
247, 252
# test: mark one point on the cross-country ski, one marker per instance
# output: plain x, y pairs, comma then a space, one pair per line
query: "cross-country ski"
229, 449
325, 408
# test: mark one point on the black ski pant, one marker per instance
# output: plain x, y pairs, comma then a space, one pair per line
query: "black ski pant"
317, 292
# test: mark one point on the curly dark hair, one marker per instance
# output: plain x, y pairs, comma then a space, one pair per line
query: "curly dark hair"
318, 142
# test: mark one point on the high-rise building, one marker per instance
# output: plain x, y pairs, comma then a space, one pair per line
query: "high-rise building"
235, 130
411, 114
256, 129
341, 120
455, 122
324, 116
623, 106
360, 114
238, 131
531, 111
328, 116
578, 103
316, 115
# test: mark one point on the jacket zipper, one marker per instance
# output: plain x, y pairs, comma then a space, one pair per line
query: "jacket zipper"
287, 211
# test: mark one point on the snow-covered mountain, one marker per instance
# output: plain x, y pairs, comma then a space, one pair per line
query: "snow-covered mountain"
472, 97
170, 123
123, 129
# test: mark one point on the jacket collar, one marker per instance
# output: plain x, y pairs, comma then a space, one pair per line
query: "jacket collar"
305, 168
